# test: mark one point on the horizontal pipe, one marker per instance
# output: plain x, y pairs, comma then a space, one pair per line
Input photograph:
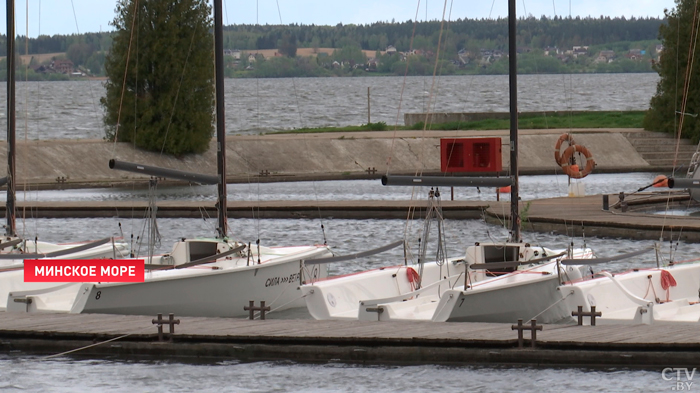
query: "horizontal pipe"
342, 258
59, 253
439, 181
163, 172
683, 183
596, 260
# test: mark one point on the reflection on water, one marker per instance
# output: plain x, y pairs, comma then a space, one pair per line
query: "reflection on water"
689, 212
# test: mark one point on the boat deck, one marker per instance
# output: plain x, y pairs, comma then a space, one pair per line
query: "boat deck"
351, 341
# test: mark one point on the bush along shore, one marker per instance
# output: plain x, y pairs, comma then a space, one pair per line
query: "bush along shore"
499, 121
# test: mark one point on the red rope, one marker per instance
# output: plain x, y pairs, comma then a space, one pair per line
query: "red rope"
413, 277
667, 281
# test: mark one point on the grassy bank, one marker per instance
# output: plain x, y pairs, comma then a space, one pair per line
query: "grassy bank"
627, 119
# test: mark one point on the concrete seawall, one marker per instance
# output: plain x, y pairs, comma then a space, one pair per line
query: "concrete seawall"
280, 157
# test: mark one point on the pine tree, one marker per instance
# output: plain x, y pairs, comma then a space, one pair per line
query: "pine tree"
679, 37
167, 101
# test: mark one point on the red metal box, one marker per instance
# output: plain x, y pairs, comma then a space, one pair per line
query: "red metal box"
470, 155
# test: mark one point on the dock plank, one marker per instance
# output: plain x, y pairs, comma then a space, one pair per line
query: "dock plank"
391, 340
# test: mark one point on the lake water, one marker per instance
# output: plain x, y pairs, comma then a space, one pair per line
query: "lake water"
71, 110
26, 373
52, 110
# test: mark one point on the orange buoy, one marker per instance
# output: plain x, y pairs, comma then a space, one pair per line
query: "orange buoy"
504, 190
660, 181
568, 169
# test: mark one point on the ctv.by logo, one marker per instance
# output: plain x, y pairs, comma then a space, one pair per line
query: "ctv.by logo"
682, 375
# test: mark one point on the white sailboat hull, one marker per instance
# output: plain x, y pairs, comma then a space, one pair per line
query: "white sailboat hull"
350, 297
637, 297
12, 273
528, 299
206, 292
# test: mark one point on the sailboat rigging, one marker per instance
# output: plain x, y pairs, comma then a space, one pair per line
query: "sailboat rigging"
16, 249
200, 276
503, 281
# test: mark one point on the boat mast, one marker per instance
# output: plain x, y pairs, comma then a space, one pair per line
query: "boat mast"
10, 204
220, 122
513, 84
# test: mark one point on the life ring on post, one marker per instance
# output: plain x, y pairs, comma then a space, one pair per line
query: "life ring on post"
569, 139
572, 172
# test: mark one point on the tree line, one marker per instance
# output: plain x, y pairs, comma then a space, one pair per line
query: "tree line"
87, 51
461, 34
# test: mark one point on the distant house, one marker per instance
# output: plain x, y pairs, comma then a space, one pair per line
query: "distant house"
251, 58
372, 64
551, 50
390, 50
635, 54
605, 55
463, 56
235, 53
580, 51
41, 69
64, 66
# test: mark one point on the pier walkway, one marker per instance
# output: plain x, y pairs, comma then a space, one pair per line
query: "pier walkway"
352, 341
642, 218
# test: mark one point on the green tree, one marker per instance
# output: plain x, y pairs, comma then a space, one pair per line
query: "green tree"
80, 53
287, 45
677, 36
166, 101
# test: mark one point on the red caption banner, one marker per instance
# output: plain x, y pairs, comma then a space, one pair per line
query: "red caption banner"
82, 270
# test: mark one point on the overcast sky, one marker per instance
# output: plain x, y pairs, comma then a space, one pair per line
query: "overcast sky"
81, 16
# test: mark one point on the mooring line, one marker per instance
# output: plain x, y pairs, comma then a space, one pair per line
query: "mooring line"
555, 303
92, 345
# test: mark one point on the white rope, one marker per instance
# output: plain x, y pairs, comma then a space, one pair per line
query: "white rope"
555, 303
93, 345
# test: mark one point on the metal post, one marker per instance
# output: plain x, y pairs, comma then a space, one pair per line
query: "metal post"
10, 203
220, 118
513, 85
368, 108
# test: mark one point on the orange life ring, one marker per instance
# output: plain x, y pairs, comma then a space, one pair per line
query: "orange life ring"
569, 170
568, 138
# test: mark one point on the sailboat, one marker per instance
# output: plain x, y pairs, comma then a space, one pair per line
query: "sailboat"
212, 277
498, 282
15, 249
664, 294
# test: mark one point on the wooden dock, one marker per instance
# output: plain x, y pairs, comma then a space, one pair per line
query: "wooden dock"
566, 215
351, 341
643, 217
262, 209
